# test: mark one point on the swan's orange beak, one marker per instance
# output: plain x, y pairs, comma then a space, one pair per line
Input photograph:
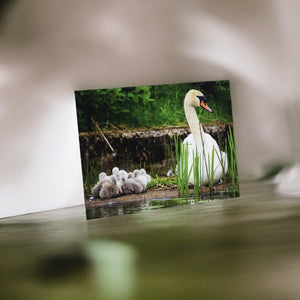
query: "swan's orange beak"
204, 105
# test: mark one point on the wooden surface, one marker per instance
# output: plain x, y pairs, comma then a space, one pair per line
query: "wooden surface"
243, 248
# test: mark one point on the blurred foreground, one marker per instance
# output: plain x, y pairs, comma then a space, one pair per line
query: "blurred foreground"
243, 248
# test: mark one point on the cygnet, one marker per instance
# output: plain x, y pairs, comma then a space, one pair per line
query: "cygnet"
110, 188
144, 173
120, 181
97, 187
115, 170
123, 173
130, 175
102, 176
131, 186
140, 179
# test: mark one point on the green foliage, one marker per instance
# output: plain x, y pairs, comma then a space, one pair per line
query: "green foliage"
161, 182
230, 180
211, 170
149, 106
197, 173
183, 171
231, 152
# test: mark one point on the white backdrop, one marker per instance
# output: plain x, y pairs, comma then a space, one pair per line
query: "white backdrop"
48, 49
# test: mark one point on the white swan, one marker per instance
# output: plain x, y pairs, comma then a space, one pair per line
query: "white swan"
203, 142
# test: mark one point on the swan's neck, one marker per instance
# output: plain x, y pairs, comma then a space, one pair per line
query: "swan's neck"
195, 125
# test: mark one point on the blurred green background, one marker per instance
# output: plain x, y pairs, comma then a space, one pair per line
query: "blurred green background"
150, 106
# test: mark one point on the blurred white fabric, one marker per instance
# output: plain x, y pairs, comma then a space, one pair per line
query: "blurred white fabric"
48, 49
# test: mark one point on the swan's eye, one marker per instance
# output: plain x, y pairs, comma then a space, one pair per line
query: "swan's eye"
202, 98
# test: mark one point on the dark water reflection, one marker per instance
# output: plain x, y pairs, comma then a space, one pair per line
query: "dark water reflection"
242, 248
118, 208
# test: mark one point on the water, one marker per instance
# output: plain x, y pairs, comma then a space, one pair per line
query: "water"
121, 207
240, 248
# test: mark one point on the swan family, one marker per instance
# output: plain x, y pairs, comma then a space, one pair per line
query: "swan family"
120, 183
213, 163
202, 143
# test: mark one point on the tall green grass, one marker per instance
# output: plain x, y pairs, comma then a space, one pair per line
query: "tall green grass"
179, 157
230, 180
211, 170
233, 181
222, 162
198, 169
183, 172
197, 173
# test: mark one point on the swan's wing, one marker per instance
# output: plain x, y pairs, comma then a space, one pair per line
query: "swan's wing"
221, 160
210, 143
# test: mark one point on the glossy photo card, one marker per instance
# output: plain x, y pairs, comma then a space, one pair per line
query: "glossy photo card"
150, 147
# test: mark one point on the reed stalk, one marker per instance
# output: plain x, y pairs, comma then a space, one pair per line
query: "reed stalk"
178, 171
222, 162
183, 172
185, 168
233, 184
203, 150
233, 160
197, 178
211, 160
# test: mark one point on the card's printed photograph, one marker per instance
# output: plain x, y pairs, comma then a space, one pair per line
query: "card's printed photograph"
150, 147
